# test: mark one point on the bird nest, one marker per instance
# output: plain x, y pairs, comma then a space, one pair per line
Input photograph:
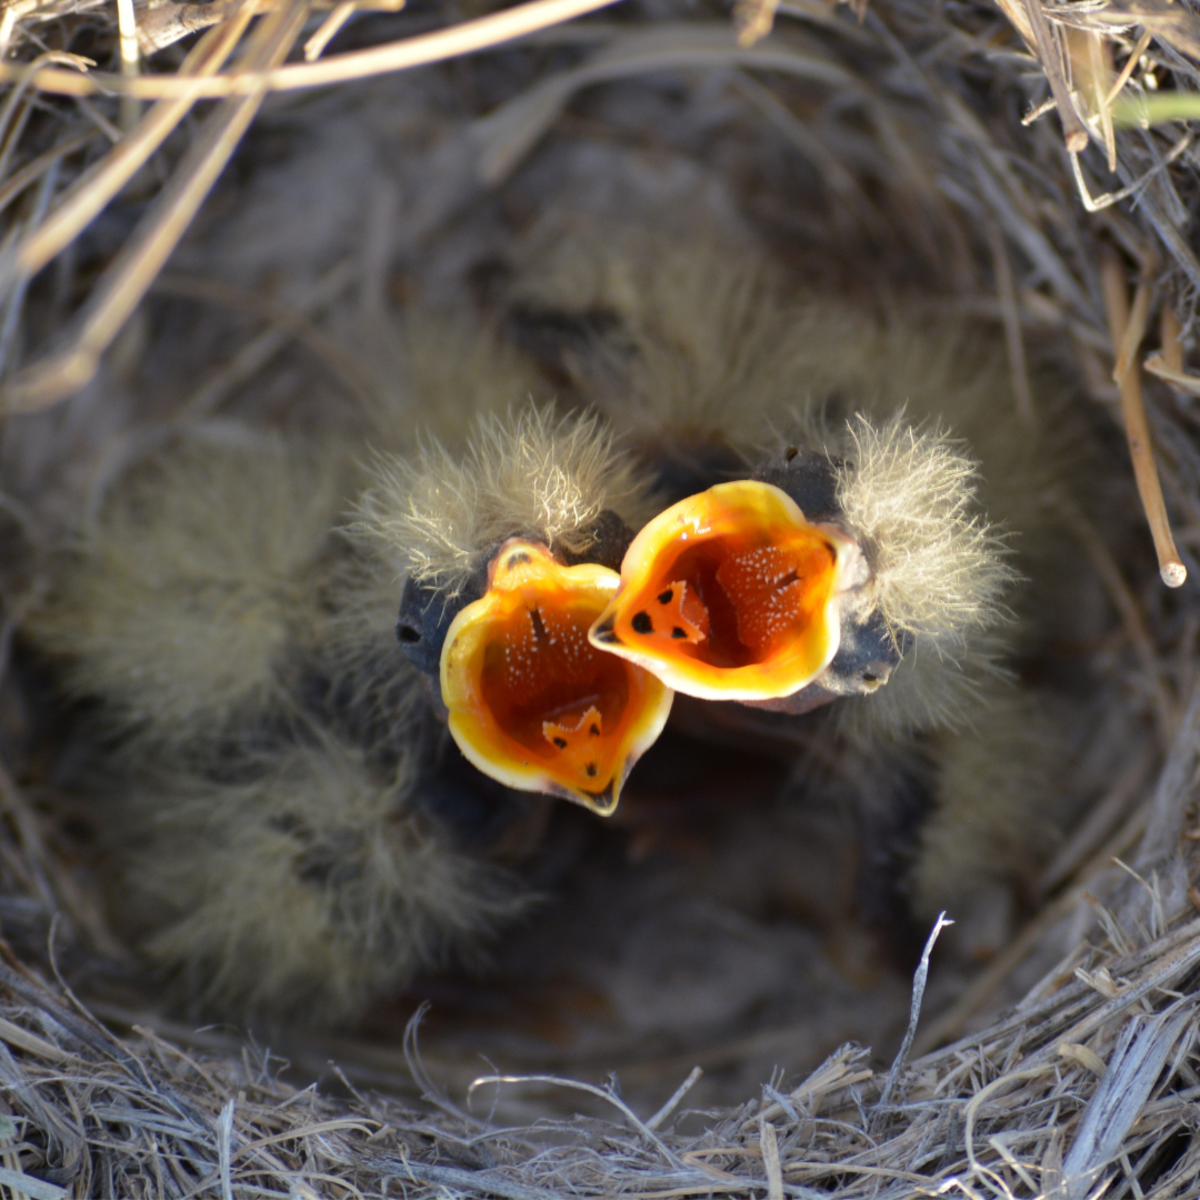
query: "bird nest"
207, 202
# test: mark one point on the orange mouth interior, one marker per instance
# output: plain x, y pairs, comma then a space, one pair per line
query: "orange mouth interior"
728, 596
532, 703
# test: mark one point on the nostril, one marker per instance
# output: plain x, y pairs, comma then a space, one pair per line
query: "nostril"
875, 675
408, 635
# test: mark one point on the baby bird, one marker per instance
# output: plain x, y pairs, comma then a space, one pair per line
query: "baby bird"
294, 833
856, 516
752, 501
508, 559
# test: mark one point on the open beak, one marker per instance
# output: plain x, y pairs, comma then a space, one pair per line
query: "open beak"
733, 595
531, 702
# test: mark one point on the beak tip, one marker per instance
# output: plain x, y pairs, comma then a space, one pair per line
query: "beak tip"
604, 803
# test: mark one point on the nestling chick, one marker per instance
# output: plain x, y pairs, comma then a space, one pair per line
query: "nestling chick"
885, 510
295, 831
272, 750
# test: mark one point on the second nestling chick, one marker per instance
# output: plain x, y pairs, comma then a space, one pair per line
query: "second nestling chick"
290, 831
852, 482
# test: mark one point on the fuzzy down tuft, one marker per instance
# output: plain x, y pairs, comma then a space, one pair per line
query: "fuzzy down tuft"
530, 474
188, 605
941, 570
302, 893
993, 795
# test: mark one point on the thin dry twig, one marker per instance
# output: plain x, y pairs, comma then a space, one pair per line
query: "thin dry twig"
1127, 329
94, 190
1170, 334
1075, 133
136, 267
468, 37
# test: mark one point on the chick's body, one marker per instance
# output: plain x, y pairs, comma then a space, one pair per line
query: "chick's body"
291, 830
267, 837
295, 833
712, 371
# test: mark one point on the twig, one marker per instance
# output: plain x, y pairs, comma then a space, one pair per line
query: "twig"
96, 188
1169, 334
127, 27
1135, 331
1157, 366
918, 995
753, 20
1100, 70
467, 37
1095, 204
329, 29
1143, 44
1075, 133
225, 1148
771, 1166
332, 25
671, 1105
135, 268
1126, 330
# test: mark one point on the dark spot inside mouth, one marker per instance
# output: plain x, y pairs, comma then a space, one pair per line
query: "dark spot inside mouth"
593, 731
518, 559
539, 626
641, 623
665, 597
678, 633
591, 770
561, 743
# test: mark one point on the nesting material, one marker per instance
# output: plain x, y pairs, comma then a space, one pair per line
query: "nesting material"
965, 167
1088, 1088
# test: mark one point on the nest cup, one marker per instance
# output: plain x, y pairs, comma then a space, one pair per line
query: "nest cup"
224, 243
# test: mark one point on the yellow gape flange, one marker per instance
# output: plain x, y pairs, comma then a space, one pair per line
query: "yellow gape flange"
532, 703
732, 594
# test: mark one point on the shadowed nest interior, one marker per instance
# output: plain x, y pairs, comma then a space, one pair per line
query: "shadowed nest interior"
230, 213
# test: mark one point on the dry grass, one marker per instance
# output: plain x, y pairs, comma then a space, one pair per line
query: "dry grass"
1018, 174
1090, 1088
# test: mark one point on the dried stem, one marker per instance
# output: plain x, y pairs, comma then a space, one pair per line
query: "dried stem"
135, 268
1126, 330
94, 190
1075, 133
468, 37
1169, 334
